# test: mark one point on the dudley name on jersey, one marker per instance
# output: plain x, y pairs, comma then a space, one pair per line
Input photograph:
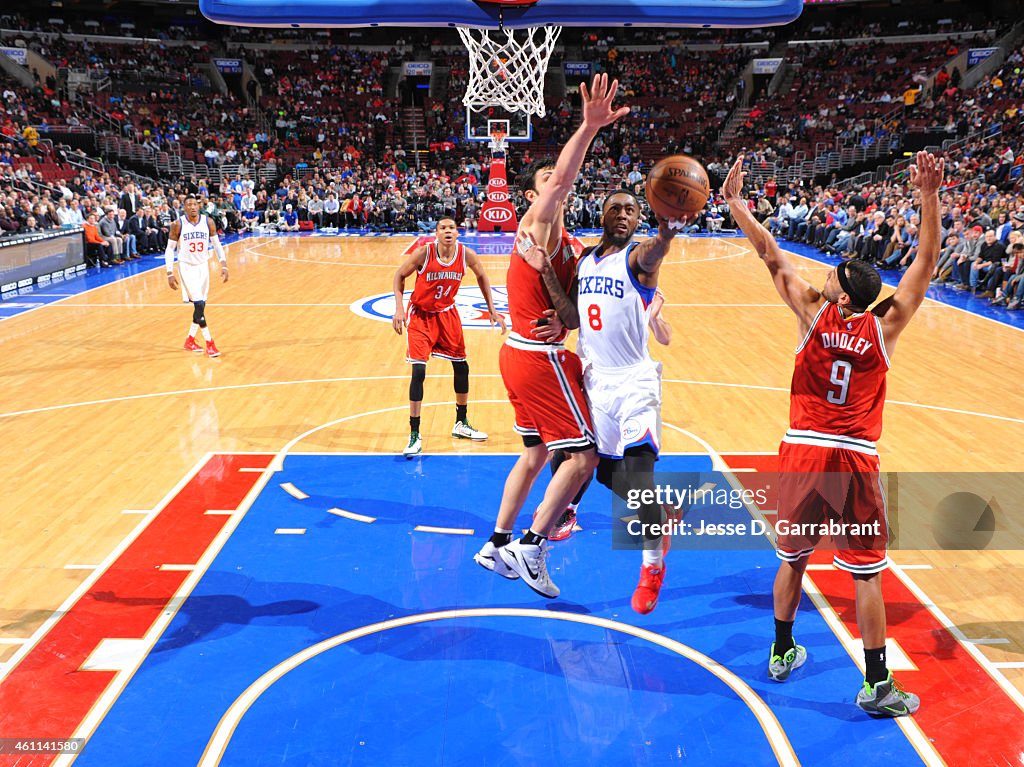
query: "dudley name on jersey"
838, 383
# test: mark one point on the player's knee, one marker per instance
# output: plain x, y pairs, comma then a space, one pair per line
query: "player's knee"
419, 375
461, 371
581, 462
534, 456
199, 313
796, 567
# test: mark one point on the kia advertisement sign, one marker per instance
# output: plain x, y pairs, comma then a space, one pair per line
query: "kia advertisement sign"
497, 214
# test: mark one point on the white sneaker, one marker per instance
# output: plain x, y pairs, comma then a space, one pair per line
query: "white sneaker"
415, 446
488, 559
531, 562
463, 430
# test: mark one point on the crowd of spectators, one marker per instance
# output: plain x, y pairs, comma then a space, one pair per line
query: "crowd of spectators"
324, 116
852, 93
982, 209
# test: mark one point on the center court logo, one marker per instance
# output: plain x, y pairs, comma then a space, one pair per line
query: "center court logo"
469, 303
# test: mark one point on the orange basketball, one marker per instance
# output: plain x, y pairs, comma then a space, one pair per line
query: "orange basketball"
677, 187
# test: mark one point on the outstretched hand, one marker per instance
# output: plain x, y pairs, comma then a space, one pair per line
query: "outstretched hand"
732, 189
926, 172
669, 227
597, 102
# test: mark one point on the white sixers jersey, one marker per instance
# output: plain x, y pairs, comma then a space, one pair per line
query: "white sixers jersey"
194, 241
613, 308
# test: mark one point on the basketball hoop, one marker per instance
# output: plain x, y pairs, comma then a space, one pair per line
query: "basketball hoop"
507, 66
497, 142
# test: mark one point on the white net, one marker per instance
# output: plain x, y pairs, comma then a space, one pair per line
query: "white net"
497, 142
507, 66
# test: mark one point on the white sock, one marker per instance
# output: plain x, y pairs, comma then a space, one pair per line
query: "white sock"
573, 506
653, 557
502, 530
206, 334
192, 330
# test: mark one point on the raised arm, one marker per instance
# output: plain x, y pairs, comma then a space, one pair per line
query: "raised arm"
895, 311
598, 112
645, 259
798, 293
473, 262
411, 265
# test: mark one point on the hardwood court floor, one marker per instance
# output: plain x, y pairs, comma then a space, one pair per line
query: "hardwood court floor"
103, 412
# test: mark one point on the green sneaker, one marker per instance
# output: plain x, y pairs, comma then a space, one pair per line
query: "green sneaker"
415, 446
780, 666
887, 699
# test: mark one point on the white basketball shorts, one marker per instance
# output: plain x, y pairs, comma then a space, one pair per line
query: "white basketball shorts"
195, 281
625, 404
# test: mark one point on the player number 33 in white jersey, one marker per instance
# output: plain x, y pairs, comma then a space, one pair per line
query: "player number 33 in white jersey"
191, 238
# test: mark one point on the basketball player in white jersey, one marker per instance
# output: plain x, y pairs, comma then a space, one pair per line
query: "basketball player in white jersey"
661, 329
192, 236
616, 282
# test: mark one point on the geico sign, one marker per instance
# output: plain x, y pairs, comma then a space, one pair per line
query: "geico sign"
497, 196
498, 215
497, 182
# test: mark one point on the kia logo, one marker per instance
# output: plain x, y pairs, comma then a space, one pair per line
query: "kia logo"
497, 182
497, 196
498, 215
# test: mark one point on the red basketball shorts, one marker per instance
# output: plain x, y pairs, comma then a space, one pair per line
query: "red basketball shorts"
434, 334
833, 494
545, 388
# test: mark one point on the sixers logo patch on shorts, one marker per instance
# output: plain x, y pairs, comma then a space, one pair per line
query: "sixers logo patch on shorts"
469, 303
630, 430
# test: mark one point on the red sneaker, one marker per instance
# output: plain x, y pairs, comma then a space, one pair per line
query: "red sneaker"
191, 345
645, 598
564, 526
212, 350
